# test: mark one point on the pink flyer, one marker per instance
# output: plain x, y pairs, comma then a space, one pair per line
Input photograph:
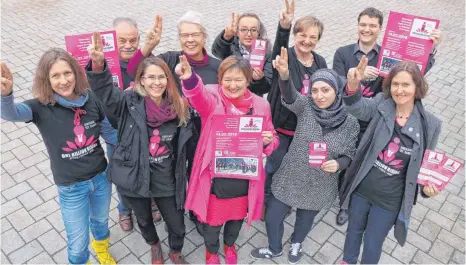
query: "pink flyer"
317, 153
238, 146
258, 51
77, 45
438, 169
407, 38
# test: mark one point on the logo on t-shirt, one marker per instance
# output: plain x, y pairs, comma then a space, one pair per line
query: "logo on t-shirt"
155, 148
81, 145
387, 162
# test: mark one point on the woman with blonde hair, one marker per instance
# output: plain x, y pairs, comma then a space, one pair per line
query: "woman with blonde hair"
150, 158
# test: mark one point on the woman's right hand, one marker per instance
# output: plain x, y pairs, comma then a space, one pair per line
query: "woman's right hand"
287, 14
356, 74
7, 80
281, 64
230, 30
153, 37
183, 69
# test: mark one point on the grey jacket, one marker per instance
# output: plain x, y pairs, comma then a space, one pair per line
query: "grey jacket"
296, 183
380, 112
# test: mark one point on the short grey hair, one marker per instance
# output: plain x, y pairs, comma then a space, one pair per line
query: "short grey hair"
192, 17
117, 21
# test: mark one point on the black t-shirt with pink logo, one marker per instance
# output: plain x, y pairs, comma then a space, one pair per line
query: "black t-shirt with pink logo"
71, 136
385, 183
162, 145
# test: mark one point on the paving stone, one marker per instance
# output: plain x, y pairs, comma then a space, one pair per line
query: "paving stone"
458, 258
42, 258
441, 251
452, 240
5, 225
49, 193
423, 258
22, 152
458, 228
10, 206
310, 247
13, 166
419, 211
35, 230
7, 182
387, 259
26, 174
34, 159
16, 190
337, 239
61, 257
414, 224
330, 219
7, 156
458, 201
440, 220
130, 259
11, 241
321, 232
405, 253
259, 240
30, 200
327, 254
4, 259
418, 241
39, 182
44, 210
52, 242
20, 219
135, 243
26, 253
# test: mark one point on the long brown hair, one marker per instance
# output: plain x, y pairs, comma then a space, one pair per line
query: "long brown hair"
42, 88
413, 69
171, 93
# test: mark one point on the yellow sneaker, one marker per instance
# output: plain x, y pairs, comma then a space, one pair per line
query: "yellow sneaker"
101, 249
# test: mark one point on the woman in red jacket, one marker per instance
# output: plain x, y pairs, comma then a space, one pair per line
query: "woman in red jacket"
224, 201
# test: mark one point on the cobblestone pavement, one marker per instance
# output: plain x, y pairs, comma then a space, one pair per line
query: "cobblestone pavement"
31, 225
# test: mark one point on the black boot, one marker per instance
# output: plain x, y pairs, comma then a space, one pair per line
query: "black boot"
342, 217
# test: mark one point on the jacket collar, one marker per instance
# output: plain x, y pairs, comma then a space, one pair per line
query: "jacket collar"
77, 103
412, 128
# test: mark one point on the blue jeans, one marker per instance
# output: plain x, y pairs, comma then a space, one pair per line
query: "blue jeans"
275, 216
371, 221
85, 205
122, 207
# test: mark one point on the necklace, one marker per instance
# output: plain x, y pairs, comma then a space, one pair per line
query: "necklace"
402, 117
308, 62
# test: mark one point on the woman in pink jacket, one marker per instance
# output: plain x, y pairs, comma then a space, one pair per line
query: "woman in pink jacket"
224, 201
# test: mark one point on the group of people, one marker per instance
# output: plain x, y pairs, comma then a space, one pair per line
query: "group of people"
158, 130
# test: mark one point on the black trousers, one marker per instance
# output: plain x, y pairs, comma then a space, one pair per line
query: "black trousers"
230, 234
173, 217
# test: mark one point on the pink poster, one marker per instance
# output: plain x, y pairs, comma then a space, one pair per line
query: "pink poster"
77, 45
438, 169
407, 38
258, 51
238, 146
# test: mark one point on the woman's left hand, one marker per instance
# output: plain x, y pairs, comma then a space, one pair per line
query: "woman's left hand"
436, 36
330, 166
268, 137
430, 190
257, 74
96, 50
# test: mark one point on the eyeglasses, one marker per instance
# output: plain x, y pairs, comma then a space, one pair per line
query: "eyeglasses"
153, 78
245, 31
194, 35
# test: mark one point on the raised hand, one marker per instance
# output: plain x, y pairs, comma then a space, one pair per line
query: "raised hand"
96, 50
281, 64
436, 36
7, 80
287, 14
153, 37
230, 30
355, 75
183, 69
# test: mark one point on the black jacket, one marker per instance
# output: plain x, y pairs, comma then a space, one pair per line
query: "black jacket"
129, 165
223, 48
281, 114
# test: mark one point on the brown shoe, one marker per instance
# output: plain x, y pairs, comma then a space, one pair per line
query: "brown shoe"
177, 258
156, 255
156, 216
126, 222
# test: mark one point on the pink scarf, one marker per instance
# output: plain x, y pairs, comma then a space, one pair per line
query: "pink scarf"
158, 115
237, 106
